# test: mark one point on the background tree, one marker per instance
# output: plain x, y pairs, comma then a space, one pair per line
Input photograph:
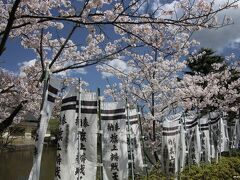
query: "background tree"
205, 63
211, 85
18, 95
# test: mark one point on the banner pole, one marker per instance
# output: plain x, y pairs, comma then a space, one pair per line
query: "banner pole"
38, 155
100, 135
45, 88
142, 139
188, 143
79, 120
210, 136
130, 141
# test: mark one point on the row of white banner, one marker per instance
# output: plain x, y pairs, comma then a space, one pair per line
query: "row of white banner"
184, 140
77, 156
192, 140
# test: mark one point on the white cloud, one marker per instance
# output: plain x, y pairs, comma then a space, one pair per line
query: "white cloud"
217, 39
62, 74
72, 72
117, 64
80, 71
223, 37
25, 64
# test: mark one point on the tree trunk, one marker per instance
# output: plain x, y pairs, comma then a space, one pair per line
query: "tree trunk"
9, 120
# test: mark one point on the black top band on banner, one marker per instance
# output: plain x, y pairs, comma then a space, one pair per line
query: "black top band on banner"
69, 107
116, 117
191, 122
51, 98
204, 125
88, 111
215, 118
88, 103
52, 89
170, 133
83, 103
170, 128
69, 99
83, 110
192, 125
213, 121
204, 128
114, 111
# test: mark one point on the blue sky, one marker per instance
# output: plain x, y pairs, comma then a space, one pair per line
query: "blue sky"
224, 41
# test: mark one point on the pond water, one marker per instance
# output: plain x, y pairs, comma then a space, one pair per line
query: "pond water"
17, 165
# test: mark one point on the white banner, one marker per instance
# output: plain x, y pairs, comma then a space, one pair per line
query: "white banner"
46, 112
193, 140
77, 144
88, 137
237, 134
171, 142
215, 135
224, 136
205, 139
114, 144
182, 148
67, 137
135, 140
231, 133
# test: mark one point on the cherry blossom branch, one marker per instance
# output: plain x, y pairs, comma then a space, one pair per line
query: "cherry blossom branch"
62, 47
91, 61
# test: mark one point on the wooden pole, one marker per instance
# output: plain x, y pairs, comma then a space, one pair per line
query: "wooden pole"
79, 118
130, 141
100, 135
142, 140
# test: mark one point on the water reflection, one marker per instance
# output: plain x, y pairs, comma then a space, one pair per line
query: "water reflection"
17, 165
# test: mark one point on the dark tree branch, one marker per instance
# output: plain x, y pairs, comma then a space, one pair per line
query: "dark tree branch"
90, 62
9, 26
7, 89
9, 120
62, 47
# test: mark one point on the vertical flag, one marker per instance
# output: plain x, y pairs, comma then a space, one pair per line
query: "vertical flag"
170, 144
46, 112
115, 153
135, 140
205, 139
237, 134
77, 143
231, 130
181, 153
215, 134
67, 137
224, 145
193, 139
87, 158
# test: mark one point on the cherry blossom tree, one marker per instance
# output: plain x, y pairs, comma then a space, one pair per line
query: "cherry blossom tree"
68, 35
216, 90
37, 19
18, 95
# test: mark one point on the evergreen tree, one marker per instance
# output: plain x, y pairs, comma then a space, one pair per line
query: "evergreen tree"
204, 64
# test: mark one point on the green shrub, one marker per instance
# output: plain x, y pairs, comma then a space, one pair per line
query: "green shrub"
225, 169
